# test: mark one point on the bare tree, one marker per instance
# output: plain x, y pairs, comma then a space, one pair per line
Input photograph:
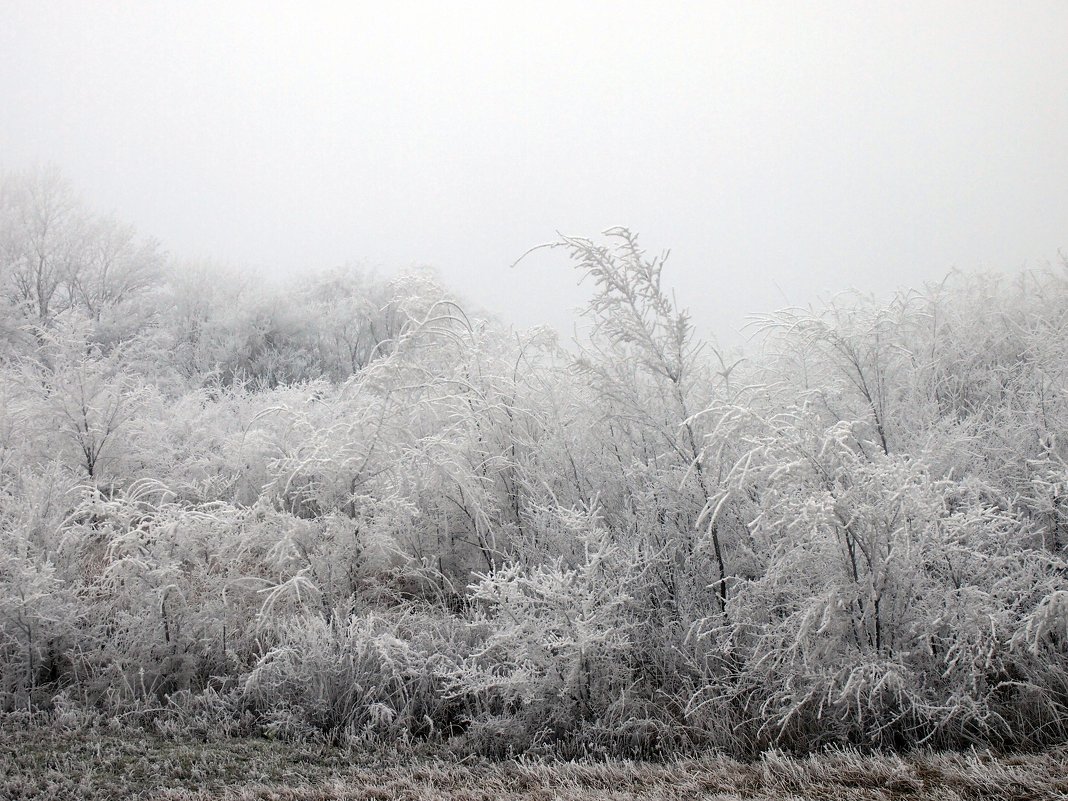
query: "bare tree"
41, 238
116, 265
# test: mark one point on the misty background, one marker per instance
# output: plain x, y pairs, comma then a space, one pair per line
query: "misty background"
782, 151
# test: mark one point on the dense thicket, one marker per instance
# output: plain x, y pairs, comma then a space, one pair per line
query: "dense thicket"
344, 508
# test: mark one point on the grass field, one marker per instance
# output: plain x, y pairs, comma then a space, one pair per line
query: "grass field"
43, 764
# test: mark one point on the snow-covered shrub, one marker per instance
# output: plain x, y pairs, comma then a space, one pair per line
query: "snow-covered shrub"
359, 675
559, 651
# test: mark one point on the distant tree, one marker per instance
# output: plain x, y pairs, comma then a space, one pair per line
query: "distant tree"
116, 265
43, 230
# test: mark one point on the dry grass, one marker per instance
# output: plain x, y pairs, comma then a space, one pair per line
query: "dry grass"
43, 764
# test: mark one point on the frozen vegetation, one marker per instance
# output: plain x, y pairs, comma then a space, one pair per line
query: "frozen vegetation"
61, 765
345, 513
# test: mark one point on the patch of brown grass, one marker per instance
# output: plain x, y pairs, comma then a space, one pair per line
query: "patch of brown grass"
43, 764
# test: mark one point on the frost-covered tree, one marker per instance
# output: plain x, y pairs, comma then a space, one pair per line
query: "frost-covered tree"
43, 233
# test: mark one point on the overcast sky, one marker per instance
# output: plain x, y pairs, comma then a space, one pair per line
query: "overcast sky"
782, 151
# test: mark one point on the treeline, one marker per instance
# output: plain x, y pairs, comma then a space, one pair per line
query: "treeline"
201, 323
346, 509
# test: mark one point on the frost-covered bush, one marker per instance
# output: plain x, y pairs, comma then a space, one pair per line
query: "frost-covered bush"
898, 562
558, 653
351, 510
359, 676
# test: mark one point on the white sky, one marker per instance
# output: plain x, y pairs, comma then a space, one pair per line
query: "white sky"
798, 147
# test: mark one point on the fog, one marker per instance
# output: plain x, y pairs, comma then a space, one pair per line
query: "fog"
782, 152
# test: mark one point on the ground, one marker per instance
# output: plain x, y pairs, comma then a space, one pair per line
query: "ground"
48, 764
